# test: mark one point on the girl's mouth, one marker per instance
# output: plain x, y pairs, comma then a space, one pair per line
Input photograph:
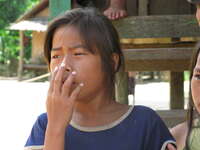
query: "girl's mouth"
66, 76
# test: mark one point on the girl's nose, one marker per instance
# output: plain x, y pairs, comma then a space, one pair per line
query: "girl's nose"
68, 69
67, 63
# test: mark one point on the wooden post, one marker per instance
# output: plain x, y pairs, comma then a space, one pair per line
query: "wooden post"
58, 7
176, 90
21, 56
121, 88
143, 7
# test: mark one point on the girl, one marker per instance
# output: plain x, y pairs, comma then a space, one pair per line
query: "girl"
187, 134
83, 52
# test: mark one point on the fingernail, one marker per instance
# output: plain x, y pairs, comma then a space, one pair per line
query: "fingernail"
56, 68
74, 73
62, 64
81, 84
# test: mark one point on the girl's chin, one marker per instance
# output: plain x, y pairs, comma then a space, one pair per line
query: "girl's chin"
198, 107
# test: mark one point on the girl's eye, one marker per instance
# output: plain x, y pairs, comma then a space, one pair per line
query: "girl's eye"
56, 56
78, 54
197, 77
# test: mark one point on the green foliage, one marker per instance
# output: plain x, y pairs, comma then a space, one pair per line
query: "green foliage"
186, 75
12, 9
9, 45
9, 40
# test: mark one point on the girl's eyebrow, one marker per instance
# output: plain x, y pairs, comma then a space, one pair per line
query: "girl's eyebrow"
56, 48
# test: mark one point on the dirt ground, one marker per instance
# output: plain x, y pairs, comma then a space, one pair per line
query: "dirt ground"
21, 103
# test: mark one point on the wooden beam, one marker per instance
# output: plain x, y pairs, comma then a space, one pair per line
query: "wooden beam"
157, 65
58, 7
153, 44
158, 26
157, 59
121, 88
176, 90
132, 7
143, 7
35, 67
158, 53
21, 56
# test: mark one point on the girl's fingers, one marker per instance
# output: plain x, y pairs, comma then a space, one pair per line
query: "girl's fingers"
67, 84
76, 92
58, 81
170, 147
52, 79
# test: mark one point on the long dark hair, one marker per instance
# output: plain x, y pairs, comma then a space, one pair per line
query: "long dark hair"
191, 108
98, 35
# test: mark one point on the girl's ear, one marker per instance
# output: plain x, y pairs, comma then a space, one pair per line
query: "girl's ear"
115, 58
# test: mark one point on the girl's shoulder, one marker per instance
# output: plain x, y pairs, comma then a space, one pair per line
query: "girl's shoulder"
145, 115
179, 132
143, 108
42, 117
42, 120
144, 111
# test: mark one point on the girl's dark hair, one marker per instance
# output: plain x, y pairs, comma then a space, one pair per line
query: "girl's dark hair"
191, 108
98, 35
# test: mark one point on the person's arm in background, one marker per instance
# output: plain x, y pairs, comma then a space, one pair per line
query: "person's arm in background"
170, 147
179, 132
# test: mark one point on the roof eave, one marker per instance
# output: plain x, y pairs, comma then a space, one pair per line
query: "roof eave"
37, 8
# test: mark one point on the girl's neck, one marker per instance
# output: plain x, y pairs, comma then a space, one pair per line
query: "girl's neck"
97, 112
92, 107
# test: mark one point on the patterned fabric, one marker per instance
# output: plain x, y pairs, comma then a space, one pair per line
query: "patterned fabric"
194, 139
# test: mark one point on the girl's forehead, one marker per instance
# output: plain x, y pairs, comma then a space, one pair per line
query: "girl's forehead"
66, 35
64, 30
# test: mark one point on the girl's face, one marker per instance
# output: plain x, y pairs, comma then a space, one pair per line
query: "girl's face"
68, 48
195, 85
198, 14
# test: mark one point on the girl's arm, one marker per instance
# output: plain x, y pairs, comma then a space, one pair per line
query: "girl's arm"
179, 132
54, 139
59, 104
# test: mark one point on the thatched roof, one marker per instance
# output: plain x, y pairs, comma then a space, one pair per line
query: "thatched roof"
34, 24
28, 22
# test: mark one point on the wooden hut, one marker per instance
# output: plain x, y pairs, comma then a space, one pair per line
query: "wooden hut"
34, 20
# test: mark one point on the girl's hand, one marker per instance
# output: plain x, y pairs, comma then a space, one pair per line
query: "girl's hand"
170, 147
60, 99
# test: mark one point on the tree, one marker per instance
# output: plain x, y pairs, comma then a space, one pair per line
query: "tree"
12, 9
9, 40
